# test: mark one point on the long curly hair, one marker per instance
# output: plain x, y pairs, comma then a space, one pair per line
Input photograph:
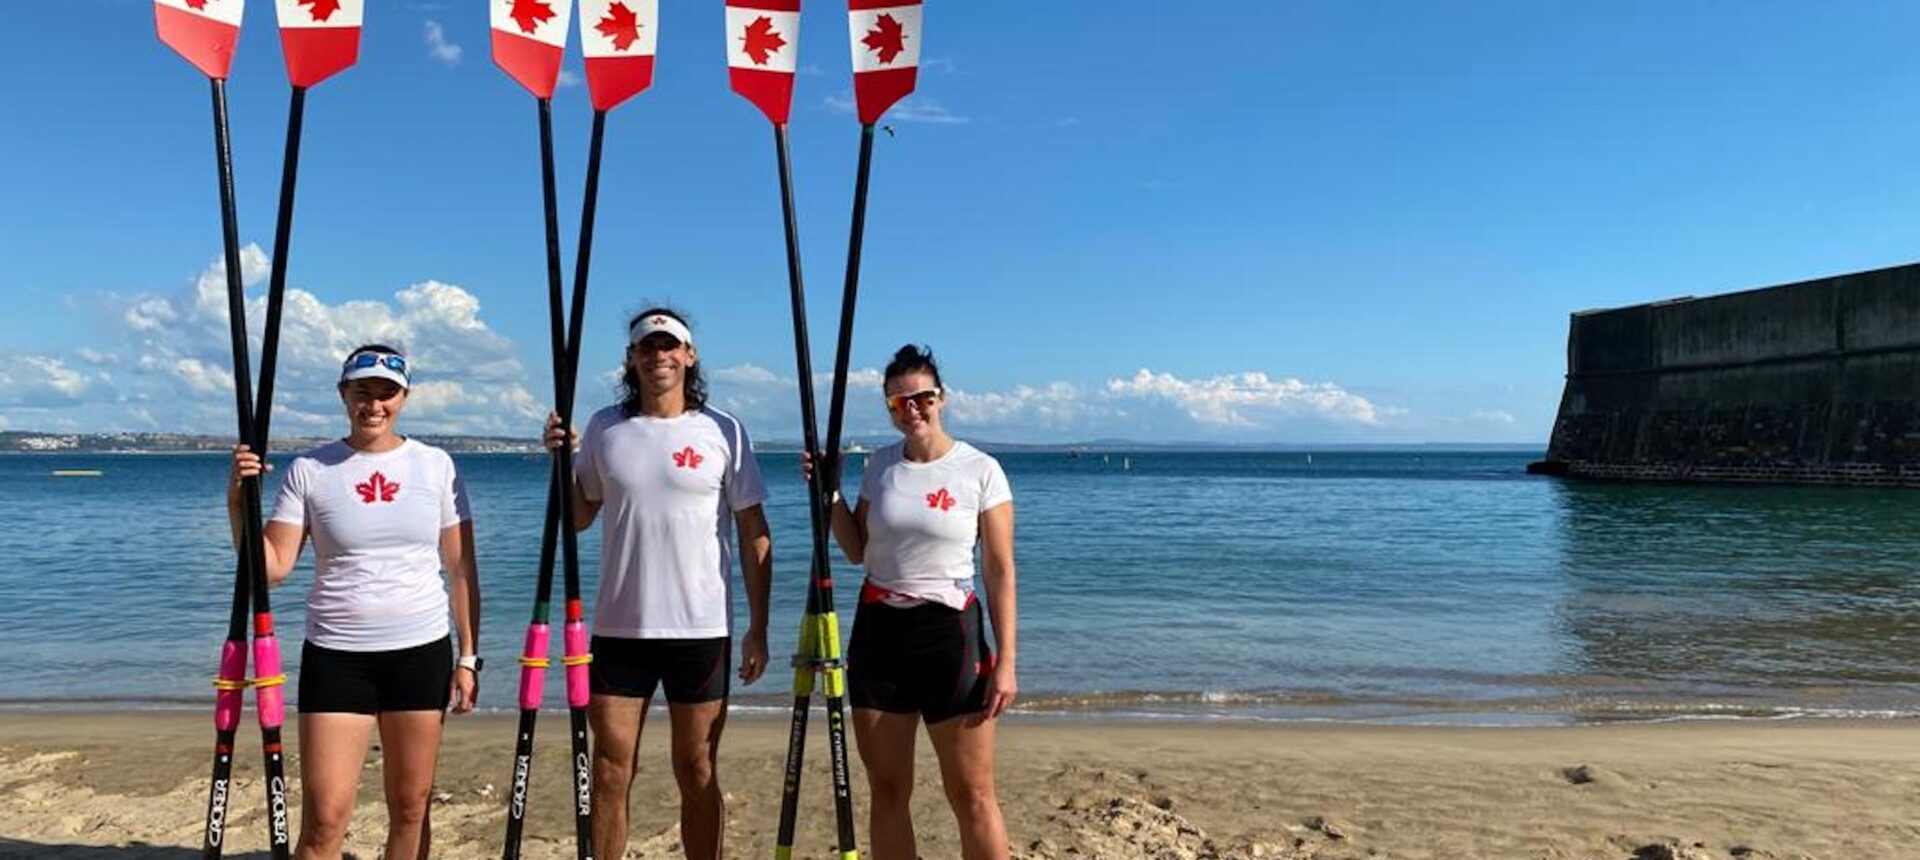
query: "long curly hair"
695, 388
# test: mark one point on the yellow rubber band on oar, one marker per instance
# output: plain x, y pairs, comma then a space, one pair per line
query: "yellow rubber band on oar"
270, 681
224, 684
535, 662
783, 852
581, 660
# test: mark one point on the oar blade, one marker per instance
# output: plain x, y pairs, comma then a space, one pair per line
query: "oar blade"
205, 32
763, 51
886, 53
319, 37
529, 40
618, 39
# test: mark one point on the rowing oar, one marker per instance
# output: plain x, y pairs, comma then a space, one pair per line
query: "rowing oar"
529, 42
619, 41
205, 33
762, 55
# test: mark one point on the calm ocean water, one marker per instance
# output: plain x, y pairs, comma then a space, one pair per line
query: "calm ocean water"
1357, 586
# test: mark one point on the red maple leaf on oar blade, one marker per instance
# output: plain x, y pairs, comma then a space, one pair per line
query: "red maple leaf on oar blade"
321, 10
620, 25
196, 4
530, 14
886, 38
762, 41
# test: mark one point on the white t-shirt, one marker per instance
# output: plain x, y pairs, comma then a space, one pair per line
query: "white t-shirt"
670, 488
923, 519
376, 521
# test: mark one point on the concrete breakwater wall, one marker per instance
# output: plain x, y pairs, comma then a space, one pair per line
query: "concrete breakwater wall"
1812, 382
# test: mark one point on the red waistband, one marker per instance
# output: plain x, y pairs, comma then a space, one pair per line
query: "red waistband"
870, 593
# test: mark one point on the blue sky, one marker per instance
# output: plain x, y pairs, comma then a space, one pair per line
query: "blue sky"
1245, 221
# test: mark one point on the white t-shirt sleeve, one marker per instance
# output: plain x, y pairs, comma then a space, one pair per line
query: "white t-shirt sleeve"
743, 486
586, 463
290, 505
454, 507
994, 489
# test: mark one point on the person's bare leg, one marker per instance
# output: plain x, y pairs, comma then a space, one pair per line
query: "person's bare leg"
409, 754
886, 749
333, 748
965, 748
616, 722
696, 759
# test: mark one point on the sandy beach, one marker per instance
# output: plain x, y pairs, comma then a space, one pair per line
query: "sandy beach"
124, 786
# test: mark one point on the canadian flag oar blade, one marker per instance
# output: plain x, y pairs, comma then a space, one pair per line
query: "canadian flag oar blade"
618, 39
763, 50
529, 38
205, 32
886, 53
319, 37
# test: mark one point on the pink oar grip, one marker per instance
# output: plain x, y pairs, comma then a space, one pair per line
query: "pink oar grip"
231, 695
269, 699
533, 671
577, 687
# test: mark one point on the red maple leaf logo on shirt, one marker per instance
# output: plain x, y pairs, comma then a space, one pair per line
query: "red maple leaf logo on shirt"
530, 14
621, 26
321, 10
687, 458
762, 42
377, 488
940, 501
886, 38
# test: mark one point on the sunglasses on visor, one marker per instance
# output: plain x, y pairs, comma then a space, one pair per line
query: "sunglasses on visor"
360, 361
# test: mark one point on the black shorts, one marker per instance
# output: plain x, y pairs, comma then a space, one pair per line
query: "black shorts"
371, 682
691, 670
929, 659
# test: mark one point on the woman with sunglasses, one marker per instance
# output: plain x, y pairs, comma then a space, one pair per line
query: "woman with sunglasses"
386, 514
920, 651
678, 481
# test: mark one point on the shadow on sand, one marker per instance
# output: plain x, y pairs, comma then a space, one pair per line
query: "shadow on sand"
20, 849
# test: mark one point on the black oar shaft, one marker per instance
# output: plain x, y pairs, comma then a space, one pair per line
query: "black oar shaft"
277, 277
836, 411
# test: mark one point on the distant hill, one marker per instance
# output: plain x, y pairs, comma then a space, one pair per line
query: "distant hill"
28, 442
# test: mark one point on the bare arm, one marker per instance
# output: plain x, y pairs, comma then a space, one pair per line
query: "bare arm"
281, 542
463, 591
849, 527
756, 568
584, 509
996, 561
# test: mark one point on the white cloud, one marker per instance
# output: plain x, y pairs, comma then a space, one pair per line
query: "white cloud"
1241, 399
438, 47
40, 381
203, 378
1493, 416
568, 78
910, 109
95, 357
745, 374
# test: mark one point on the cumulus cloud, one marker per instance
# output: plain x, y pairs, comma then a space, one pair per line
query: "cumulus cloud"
468, 377
910, 109
1241, 399
438, 47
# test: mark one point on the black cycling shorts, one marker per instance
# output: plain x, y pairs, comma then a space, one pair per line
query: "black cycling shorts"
691, 670
929, 659
371, 682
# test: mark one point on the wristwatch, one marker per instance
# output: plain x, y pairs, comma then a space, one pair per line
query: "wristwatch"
471, 663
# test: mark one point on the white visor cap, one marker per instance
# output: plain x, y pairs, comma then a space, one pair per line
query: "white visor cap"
656, 323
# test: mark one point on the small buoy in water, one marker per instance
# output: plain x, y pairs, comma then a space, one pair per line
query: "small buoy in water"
77, 473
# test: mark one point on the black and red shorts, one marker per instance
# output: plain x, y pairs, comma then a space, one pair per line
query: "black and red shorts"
333, 681
929, 659
691, 670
